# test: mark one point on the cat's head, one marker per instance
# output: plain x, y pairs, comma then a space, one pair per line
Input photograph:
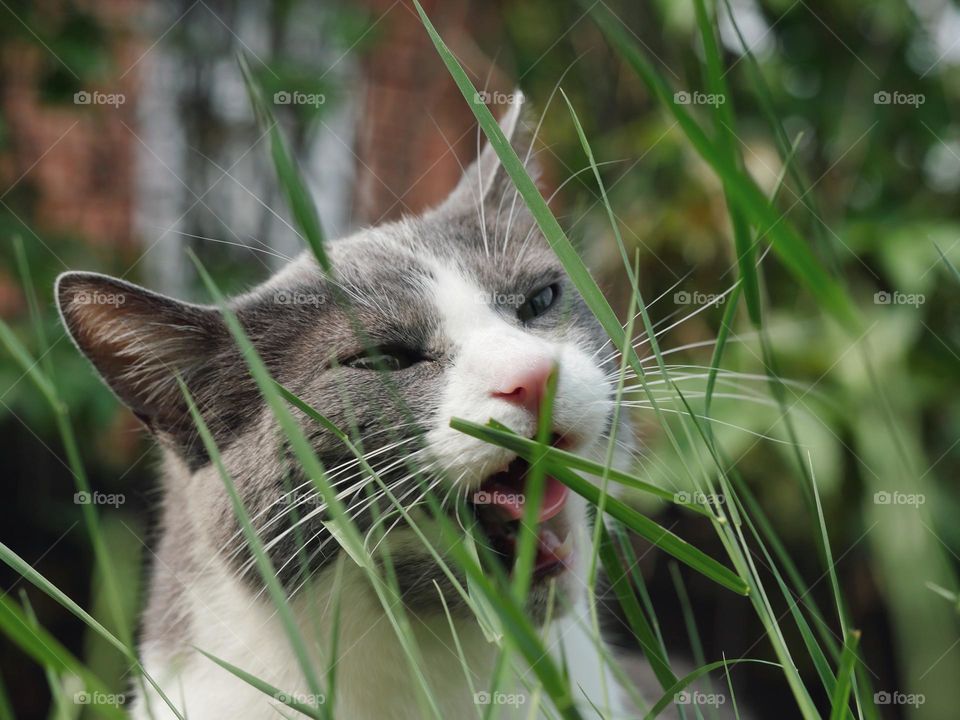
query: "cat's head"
466, 309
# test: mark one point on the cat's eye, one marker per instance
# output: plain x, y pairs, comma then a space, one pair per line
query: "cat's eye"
538, 303
388, 358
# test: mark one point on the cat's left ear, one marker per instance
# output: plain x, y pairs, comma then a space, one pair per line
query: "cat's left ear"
486, 180
140, 342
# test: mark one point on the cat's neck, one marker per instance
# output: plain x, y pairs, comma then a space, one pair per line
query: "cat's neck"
375, 674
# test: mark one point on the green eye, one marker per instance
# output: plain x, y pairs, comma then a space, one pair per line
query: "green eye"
383, 358
538, 303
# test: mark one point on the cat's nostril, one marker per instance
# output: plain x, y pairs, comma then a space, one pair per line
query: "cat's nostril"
526, 389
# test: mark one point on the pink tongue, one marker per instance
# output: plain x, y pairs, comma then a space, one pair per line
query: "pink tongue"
511, 502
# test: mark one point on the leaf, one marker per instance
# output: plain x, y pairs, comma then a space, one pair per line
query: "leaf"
841, 692
643, 526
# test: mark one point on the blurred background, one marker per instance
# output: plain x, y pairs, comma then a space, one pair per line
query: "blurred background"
126, 138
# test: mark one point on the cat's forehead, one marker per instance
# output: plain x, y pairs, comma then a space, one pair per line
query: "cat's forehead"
403, 259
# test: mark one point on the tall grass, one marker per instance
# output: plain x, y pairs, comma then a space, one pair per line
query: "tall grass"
757, 565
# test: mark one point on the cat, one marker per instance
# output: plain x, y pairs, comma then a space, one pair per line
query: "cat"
462, 311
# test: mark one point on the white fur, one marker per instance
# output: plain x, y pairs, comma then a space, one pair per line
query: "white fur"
489, 349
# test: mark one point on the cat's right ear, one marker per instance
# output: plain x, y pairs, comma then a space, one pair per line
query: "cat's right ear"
486, 180
140, 342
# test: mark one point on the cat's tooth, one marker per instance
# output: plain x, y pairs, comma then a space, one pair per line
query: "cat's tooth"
564, 549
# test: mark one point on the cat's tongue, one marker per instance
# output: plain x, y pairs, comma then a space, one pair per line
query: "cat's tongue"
511, 502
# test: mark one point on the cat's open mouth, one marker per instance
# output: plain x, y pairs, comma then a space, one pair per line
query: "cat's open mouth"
499, 507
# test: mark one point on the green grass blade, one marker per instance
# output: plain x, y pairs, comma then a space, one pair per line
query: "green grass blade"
46, 650
727, 140
640, 524
264, 565
945, 594
726, 323
503, 436
534, 489
950, 265
6, 708
841, 692
642, 630
769, 223
27, 571
288, 699
670, 695
291, 181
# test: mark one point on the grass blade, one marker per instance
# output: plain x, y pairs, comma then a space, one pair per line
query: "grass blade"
291, 181
643, 526
266, 688
670, 695
841, 692
785, 240
727, 140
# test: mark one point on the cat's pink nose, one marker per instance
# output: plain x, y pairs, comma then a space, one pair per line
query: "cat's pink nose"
526, 387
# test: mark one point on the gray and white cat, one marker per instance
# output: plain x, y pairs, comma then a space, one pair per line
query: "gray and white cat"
468, 309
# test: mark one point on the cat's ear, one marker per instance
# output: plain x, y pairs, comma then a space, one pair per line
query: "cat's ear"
486, 180
140, 342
